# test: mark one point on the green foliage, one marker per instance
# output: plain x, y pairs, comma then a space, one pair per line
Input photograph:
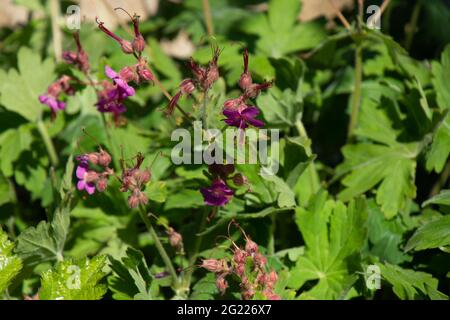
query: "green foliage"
409, 284
341, 200
10, 264
74, 280
20, 93
432, 235
333, 235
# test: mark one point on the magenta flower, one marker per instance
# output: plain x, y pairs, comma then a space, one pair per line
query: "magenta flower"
122, 86
82, 173
52, 102
243, 117
112, 96
218, 194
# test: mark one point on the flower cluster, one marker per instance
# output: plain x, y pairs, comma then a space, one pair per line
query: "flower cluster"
250, 267
90, 179
237, 112
112, 96
52, 97
134, 180
219, 193
78, 58
204, 78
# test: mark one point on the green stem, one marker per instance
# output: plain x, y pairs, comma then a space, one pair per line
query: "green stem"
271, 244
356, 99
205, 111
112, 147
441, 181
48, 142
159, 247
196, 249
412, 25
56, 31
208, 17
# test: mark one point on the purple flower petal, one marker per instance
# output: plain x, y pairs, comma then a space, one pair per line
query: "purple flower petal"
90, 188
110, 73
81, 185
256, 123
250, 112
81, 171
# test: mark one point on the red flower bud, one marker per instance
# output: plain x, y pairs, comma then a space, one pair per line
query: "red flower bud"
175, 239
128, 74
187, 86
239, 179
104, 159
221, 284
102, 183
251, 247
215, 265
138, 44
126, 47
91, 176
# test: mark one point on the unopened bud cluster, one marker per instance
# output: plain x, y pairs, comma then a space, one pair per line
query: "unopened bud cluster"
250, 267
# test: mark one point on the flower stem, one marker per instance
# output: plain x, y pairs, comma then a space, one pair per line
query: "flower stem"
412, 25
194, 254
56, 31
205, 111
356, 99
159, 247
208, 17
48, 143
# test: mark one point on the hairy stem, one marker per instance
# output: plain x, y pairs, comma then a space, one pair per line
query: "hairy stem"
159, 247
56, 31
208, 17
48, 143
356, 99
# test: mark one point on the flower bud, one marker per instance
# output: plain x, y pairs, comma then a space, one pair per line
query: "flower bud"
251, 247
221, 284
145, 74
93, 157
104, 159
239, 179
126, 47
215, 265
234, 104
245, 81
91, 176
187, 86
175, 239
270, 295
133, 201
138, 43
102, 183
260, 260
128, 74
